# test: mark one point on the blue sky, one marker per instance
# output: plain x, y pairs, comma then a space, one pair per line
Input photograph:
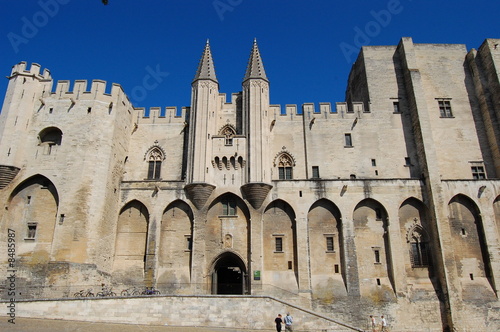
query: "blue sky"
308, 47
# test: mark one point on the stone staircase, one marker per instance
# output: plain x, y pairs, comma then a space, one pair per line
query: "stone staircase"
233, 312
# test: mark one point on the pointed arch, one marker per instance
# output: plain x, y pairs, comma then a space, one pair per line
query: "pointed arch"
175, 247
131, 240
373, 247
280, 245
32, 213
469, 241
229, 274
414, 225
326, 250
229, 204
228, 227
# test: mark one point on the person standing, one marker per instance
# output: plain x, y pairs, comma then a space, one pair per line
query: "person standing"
374, 323
288, 322
383, 323
278, 322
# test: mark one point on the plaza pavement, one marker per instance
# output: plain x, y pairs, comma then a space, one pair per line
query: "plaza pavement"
54, 325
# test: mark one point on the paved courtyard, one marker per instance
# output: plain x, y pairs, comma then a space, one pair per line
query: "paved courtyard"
53, 325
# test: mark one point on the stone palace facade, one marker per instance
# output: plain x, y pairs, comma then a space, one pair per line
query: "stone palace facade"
387, 202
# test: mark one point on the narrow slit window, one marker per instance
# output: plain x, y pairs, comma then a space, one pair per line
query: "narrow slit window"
279, 244
329, 244
315, 172
348, 140
377, 256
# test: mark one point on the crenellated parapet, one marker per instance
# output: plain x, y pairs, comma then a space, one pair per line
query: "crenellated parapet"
33, 71
82, 90
159, 115
51, 95
324, 110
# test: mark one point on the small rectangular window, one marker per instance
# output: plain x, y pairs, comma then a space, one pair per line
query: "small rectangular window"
189, 243
154, 170
377, 256
279, 244
445, 109
31, 231
374, 162
348, 140
51, 110
229, 208
337, 270
407, 161
478, 172
89, 110
285, 173
396, 107
315, 173
329, 244
290, 265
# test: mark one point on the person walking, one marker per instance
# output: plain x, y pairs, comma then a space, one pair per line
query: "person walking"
373, 323
383, 324
288, 322
278, 322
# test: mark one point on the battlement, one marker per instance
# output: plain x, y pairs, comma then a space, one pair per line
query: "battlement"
80, 89
34, 70
158, 115
309, 109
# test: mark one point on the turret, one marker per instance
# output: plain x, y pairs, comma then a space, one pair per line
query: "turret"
256, 119
255, 114
204, 96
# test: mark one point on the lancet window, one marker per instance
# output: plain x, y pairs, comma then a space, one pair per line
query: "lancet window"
154, 158
285, 167
419, 248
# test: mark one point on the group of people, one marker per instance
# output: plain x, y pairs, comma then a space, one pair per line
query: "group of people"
288, 320
383, 324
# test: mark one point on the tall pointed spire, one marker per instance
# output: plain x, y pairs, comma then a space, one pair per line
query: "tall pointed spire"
255, 68
206, 69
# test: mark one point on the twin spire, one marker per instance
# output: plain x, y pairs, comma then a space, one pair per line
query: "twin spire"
206, 70
255, 68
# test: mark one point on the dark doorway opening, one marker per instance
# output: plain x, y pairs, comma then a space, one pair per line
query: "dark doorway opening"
229, 275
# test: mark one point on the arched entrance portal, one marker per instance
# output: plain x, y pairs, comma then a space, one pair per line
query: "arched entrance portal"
229, 275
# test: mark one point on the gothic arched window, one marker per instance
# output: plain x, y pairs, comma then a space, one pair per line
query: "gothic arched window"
228, 132
419, 248
285, 167
155, 157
